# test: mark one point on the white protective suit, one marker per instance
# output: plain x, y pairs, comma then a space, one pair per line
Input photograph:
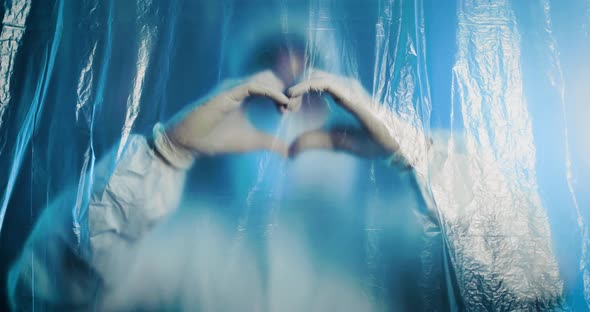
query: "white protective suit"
102, 268
496, 231
67, 270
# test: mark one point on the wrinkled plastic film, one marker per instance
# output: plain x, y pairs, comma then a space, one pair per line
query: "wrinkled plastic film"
13, 28
492, 216
499, 143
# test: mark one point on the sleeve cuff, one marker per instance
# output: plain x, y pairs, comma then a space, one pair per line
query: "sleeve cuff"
177, 156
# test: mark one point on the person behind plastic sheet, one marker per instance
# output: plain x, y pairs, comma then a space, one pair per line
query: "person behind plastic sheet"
136, 188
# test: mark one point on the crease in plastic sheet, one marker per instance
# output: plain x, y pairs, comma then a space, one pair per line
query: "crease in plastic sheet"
401, 96
491, 240
148, 34
494, 217
29, 123
557, 80
90, 96
13, 29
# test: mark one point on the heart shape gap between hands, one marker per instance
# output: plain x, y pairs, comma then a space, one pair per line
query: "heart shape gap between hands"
219, 125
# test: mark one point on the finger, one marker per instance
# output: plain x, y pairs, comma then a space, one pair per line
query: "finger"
265, 84
270, 79
313, 73
311, 140
310, 85
348, 140
342, 93
268, 84
271, 143
297, 92
274, 94
295, 103
316, 80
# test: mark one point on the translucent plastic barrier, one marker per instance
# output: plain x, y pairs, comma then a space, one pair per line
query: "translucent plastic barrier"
295, 156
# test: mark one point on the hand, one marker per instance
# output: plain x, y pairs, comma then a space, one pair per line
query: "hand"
219, 125
376, 139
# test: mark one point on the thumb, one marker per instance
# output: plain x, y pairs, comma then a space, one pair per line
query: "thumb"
311, 140
346, 139
271, 143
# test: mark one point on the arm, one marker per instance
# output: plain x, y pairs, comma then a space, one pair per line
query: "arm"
384, 134
61, 269
74, 256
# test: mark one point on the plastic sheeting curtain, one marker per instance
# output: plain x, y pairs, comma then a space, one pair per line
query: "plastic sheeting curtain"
501, 87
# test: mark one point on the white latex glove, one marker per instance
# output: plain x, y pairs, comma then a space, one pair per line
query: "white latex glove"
374, 140
382, 134
219, 125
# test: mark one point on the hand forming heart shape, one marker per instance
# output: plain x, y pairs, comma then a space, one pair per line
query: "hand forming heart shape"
217, 124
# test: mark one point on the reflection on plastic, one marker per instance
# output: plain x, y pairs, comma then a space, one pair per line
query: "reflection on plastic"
492, 216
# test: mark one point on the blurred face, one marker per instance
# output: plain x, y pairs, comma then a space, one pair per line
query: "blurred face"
289, 66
